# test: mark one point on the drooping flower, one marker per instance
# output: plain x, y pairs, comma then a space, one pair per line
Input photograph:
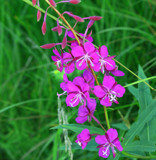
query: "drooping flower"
109, 140
78, 92
109, 91
105, 63
85, 55
86, 113
52, 2
83, 138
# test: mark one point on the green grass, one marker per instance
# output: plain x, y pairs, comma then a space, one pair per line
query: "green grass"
28, 101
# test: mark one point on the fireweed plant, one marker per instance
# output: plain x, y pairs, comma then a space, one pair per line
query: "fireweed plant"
82, 54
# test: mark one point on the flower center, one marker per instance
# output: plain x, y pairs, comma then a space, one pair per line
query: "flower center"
85, 58
103, 63
79, 143
58, 63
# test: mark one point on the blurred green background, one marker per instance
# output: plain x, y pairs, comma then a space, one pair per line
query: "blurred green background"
29, 80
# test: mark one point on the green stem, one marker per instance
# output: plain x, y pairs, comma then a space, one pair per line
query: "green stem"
138, 156
106, 117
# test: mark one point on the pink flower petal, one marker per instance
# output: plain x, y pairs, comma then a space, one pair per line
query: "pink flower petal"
118, 145
81, 119
38, 15
77, 51
99, 92
108, 81
110, 64
74, 1
78, 81
119, 90
104, 152
112, 134
81, 64
103, 51
69, 68
101, 139
106, 102
71, 101
89, 47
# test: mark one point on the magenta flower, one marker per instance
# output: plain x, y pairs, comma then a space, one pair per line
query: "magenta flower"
110, 139
77, 92
116, 72
105, 63
85, 56
83, 138
86, 113
109, 91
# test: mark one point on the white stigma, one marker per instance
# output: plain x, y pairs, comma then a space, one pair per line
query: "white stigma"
79, 143
102, 64
86, 58
77, 96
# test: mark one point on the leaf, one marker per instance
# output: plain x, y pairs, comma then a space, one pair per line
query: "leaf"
145, 116
145, 98
141, 146
78, 128
121, 126
134, 91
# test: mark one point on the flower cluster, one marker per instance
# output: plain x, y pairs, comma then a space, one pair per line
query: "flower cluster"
107, 141
83, 55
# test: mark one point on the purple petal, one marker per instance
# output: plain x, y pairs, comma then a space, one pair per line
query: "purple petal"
118, 73
77, 51
99, 92
108, 81
91, 105
104, 152
106, 101
72, 88
103, 51
101, 139
67, 57
110, 65
96, 67
81, 64
69, 68
119, 90
56, 52
78, 81
71, 100
81, 119
118, 145
83, 112
95, 57
54, 58
112, 134
89, 47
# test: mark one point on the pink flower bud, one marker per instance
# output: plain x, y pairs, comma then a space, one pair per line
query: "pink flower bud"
38, 12
64, 42
77, 18
44, 27
48, 46
74, 1
38, 15
34, 2
52, 2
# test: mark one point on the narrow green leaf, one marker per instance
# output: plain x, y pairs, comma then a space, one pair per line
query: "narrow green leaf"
134, 91
144, 117
141, 146
145, 98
